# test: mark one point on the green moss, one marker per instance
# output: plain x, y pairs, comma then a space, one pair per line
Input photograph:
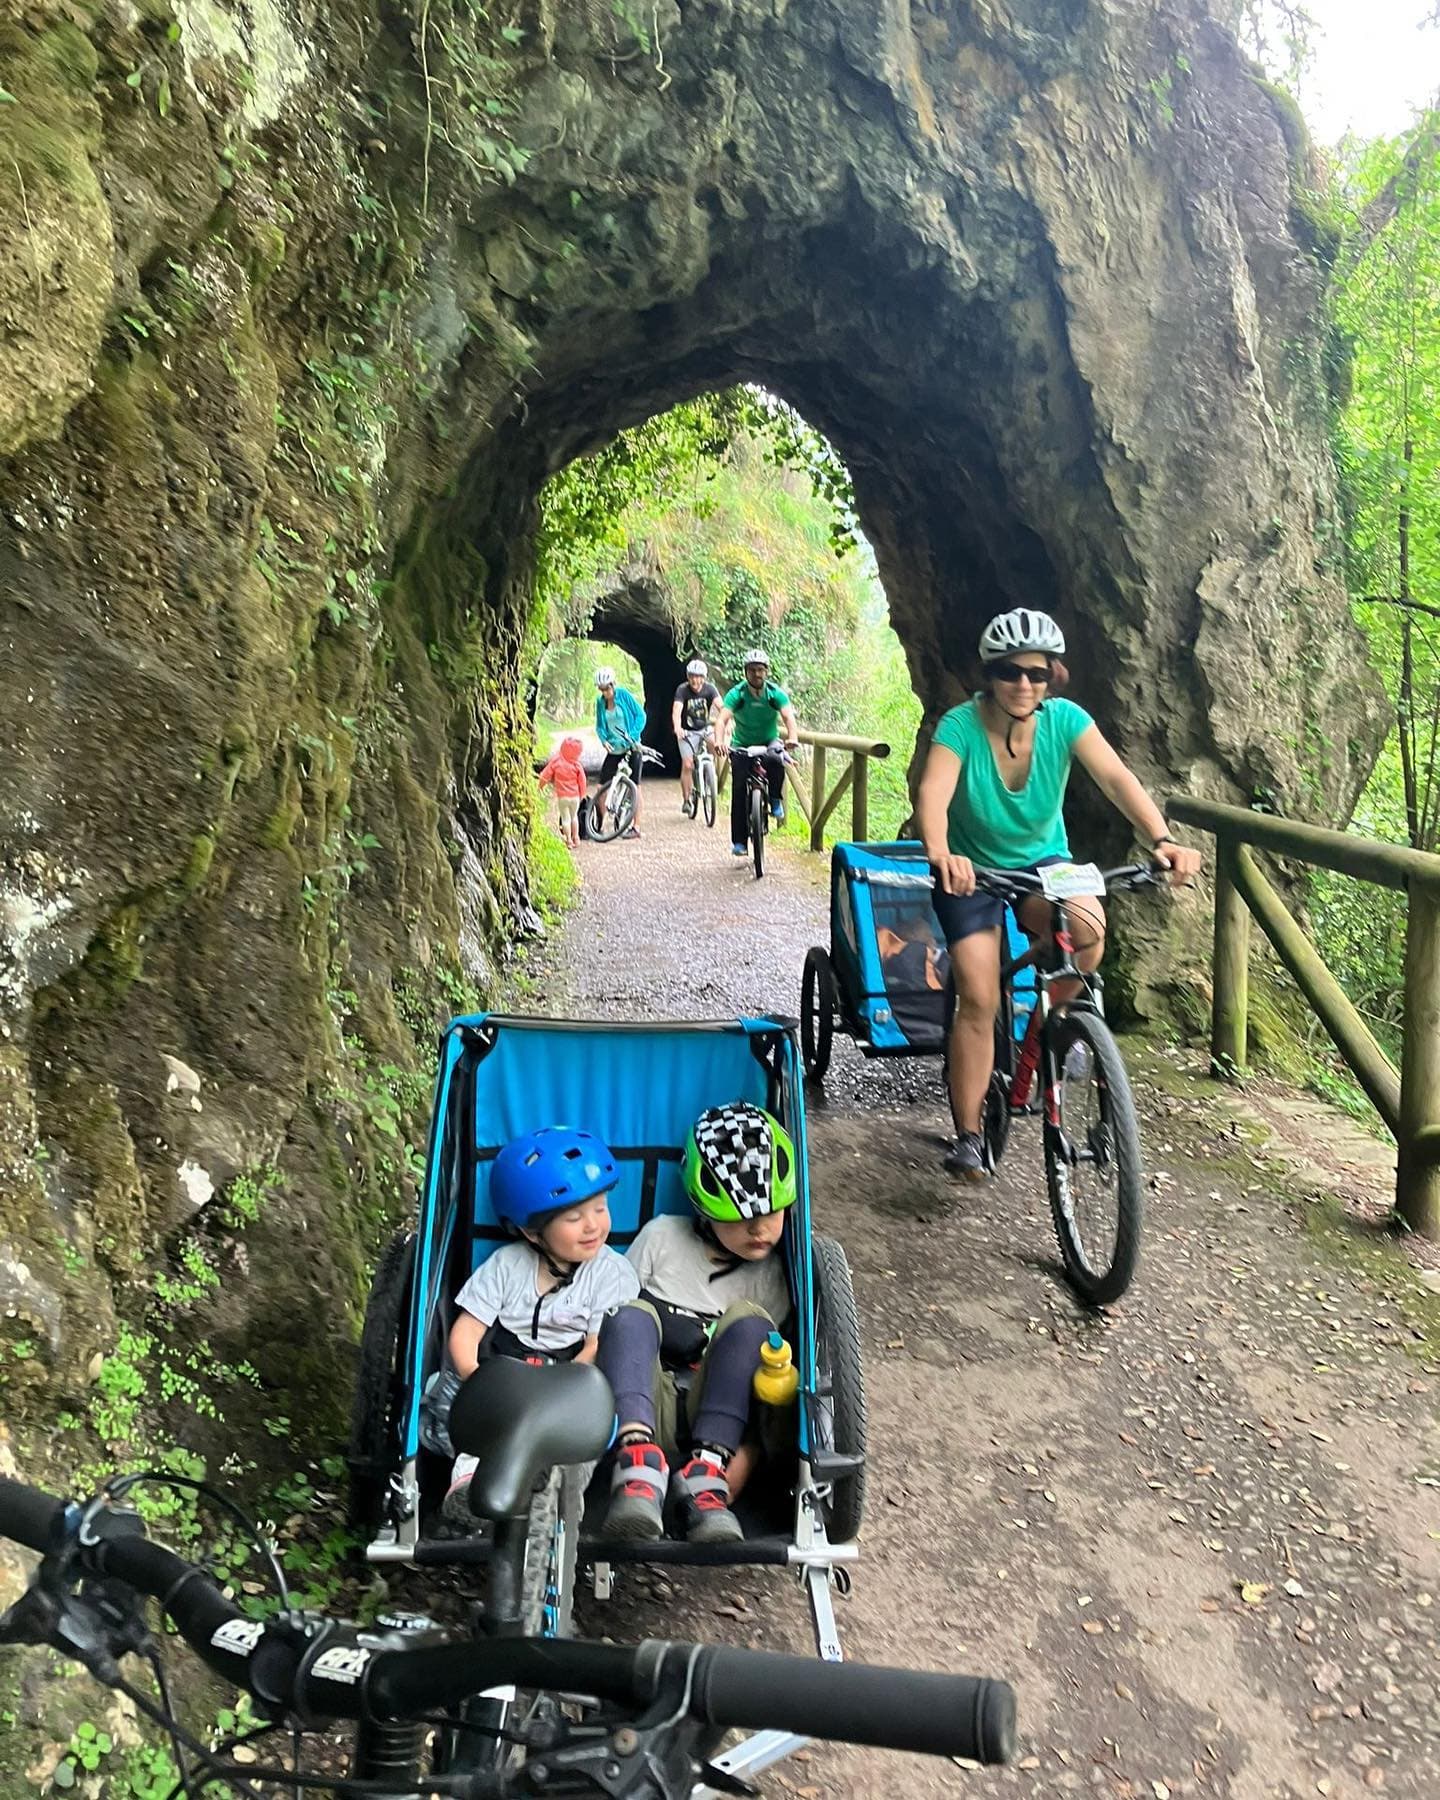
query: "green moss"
202, 854
115, 959
553, 877
1362, 1250
52, 126
278, 829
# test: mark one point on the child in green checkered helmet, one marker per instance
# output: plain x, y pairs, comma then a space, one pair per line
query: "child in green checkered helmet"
712, 1289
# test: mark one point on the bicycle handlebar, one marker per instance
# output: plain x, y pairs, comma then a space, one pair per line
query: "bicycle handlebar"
1018, 884
310, 1668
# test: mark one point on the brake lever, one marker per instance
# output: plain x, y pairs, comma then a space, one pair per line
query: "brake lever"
94, 1619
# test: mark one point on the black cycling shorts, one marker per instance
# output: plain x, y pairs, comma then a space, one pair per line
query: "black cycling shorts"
613, 759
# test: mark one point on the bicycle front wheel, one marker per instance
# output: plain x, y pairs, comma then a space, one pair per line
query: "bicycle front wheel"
758, 815
485, 1739
1092, 1156
608, 827
707, 790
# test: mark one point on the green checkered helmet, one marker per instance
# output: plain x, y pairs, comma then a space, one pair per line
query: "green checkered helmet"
739, 1163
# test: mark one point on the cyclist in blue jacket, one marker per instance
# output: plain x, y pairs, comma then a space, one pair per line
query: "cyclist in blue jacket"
619, 720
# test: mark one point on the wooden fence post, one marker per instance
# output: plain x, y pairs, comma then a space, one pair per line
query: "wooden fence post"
817, 797
1417, 1185
860, 797
1230, 1007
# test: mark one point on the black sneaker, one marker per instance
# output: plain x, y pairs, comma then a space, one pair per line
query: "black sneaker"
966, 1157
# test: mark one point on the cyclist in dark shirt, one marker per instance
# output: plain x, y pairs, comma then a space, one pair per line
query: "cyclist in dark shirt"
691, 717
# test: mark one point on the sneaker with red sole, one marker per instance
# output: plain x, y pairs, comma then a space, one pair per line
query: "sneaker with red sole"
636, 1512
705, 1503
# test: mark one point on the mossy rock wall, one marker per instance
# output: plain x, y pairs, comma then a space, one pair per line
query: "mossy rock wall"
300, 306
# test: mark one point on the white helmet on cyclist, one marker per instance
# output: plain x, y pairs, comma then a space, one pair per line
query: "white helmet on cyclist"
1022, 629
605, 677
696, 667
757, 656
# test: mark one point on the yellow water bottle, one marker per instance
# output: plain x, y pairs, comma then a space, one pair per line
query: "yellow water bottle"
777, 1380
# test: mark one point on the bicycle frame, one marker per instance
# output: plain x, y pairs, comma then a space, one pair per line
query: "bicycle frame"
1025, 1064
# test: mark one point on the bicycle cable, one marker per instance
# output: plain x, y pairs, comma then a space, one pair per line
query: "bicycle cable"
118, 1486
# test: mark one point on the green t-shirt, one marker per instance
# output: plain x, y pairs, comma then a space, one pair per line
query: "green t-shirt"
993, 827
757, 716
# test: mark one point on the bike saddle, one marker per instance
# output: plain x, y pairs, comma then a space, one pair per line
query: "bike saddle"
519, 1419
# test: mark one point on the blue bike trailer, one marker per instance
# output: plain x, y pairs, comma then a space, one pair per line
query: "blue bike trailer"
639, 1088
885, 979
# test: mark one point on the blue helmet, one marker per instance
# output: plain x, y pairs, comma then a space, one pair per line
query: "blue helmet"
541, 1173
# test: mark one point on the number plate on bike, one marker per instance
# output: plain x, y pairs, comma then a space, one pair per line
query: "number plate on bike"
1068, 881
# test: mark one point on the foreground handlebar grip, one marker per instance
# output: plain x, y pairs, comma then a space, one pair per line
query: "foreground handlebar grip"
893, 1709
27, 1515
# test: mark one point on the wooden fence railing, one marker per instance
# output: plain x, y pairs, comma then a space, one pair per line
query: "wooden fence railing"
1408, 1100
808, 785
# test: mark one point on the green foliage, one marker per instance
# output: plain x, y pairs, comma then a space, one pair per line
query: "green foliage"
552, 871
1387, 313
585, 510
565, 683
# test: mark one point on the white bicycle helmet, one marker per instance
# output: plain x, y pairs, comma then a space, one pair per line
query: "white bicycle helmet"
696, 667
605, 677
762, 657
1022, 629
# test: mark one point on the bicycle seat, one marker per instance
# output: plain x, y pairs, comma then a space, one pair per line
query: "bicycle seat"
519, 1419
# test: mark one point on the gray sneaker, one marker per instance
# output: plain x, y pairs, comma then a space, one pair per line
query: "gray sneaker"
704, 1497
637, 1494
966, 1157
1078, 1063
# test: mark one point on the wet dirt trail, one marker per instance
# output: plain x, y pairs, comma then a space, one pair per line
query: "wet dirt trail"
1200, 1535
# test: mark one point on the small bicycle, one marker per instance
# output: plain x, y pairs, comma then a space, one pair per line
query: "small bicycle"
621, 796
757, 814
704, 784
1091, 1136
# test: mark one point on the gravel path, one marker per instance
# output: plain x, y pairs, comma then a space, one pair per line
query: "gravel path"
1201, 1536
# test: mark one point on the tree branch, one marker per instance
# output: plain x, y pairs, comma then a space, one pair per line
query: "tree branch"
1383, 208
1398, 600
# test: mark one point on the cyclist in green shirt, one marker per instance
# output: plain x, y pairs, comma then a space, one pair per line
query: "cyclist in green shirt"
755, 712
991, 795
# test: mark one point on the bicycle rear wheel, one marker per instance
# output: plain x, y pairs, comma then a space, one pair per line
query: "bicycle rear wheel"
759, 812
708, 790
1092, 1156
817, 1012
995, 1116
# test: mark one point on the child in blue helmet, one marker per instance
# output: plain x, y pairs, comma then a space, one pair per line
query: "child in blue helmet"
542, 1297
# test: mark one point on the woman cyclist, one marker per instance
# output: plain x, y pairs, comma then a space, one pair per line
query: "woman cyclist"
619, 720
991, 795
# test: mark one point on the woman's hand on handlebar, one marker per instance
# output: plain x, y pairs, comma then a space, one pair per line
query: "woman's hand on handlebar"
956, 874
1178, 862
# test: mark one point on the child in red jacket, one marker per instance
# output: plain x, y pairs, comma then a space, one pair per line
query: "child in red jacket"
565, 772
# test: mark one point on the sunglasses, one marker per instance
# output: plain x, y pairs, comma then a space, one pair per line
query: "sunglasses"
1008, 671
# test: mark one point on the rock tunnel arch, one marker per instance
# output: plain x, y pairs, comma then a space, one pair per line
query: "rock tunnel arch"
273, 424
1044, 381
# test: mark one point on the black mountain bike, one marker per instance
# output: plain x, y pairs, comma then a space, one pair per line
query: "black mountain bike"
497, 1715
1091, 1135
753, 761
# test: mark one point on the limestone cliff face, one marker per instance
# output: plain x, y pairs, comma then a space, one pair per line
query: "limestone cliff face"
300, 304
